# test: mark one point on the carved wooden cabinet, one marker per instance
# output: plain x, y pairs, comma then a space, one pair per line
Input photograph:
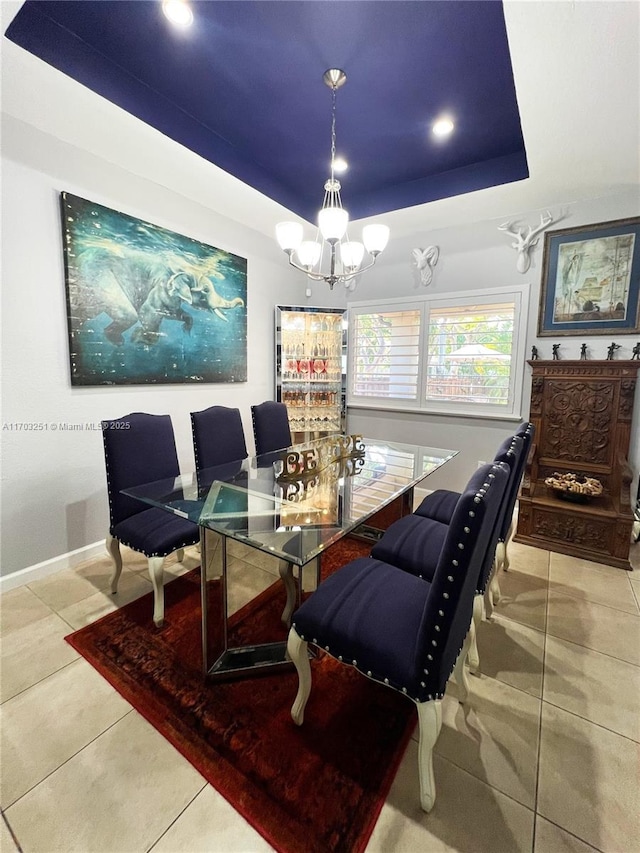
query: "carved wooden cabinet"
582, 412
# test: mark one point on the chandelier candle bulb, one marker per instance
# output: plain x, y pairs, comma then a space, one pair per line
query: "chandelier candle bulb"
289, 235
375, 238
308, 253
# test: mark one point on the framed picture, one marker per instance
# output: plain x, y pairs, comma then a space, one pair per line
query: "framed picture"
591, 280
147, 305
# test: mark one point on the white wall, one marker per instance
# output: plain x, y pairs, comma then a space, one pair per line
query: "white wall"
53, 483
474, 257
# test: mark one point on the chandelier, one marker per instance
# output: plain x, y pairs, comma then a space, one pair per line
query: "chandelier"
332, 256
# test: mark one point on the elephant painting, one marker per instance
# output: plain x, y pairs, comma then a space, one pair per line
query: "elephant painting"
149, 305
132, 288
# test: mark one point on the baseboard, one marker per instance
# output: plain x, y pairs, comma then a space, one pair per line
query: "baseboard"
49, 567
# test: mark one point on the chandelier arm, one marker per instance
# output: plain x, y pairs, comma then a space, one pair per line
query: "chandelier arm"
312, 275
349, 276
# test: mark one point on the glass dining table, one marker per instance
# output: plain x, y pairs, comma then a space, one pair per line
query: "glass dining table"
292, 504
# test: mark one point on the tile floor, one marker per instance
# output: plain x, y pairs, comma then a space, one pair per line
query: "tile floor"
544, 757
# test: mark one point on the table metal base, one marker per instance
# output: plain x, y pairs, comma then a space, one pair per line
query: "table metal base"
250, 660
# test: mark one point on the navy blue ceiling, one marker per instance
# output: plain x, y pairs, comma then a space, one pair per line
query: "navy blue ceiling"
243, 88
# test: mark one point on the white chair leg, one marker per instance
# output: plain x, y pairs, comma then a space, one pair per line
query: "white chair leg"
490, 600
180, 555
507, 539
474, 658
460, 671
297, 649
113, 549
494, 586
286, 573
430, 723
155, 572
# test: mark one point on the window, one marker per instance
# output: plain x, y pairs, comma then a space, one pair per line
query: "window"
455, 355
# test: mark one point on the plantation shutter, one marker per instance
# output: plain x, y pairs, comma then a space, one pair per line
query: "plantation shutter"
469, 353
386, 354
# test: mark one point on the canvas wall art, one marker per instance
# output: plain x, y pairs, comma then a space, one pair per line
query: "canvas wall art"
591, 280
148, 305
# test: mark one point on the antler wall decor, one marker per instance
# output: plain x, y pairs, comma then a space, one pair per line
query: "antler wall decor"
425, 260
526, 239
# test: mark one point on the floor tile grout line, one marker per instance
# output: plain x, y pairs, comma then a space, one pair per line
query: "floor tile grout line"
539, 749
568, 832
178, 816
592, 722
11, 832
479, 779
598, 603
591, 649
67, 760
486, 784
40, 680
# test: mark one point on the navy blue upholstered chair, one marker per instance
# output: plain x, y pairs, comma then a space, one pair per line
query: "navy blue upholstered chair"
440, 504
402, 631
218, 436
411, 542
526, 431
271, 429
138, 449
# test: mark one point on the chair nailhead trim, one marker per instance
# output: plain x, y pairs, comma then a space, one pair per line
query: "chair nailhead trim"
467, 530
386, 681
472, 514
434, 643
315, 641
326, 648
354, 662
461, 546
369, 673
404, 689
454, 562
476, 500
437, 627
422, 684
440, 612
339, 657
492, 476
426, 671
302, 636
450, 578
429, 657
445, 595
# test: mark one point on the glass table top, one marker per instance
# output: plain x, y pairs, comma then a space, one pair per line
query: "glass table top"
296, 502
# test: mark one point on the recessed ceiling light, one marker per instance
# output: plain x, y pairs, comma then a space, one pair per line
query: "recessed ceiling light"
442, 127
340, 165
178, 12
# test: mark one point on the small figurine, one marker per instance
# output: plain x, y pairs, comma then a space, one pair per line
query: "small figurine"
611, 350
556, 354
534, 353
583, 352
636, 353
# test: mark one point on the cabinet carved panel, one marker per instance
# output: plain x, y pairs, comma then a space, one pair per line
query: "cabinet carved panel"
578, 421
582, 411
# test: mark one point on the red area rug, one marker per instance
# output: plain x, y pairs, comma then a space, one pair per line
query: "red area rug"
317, 788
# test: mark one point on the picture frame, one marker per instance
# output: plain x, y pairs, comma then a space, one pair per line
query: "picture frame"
591, 280
146, 305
